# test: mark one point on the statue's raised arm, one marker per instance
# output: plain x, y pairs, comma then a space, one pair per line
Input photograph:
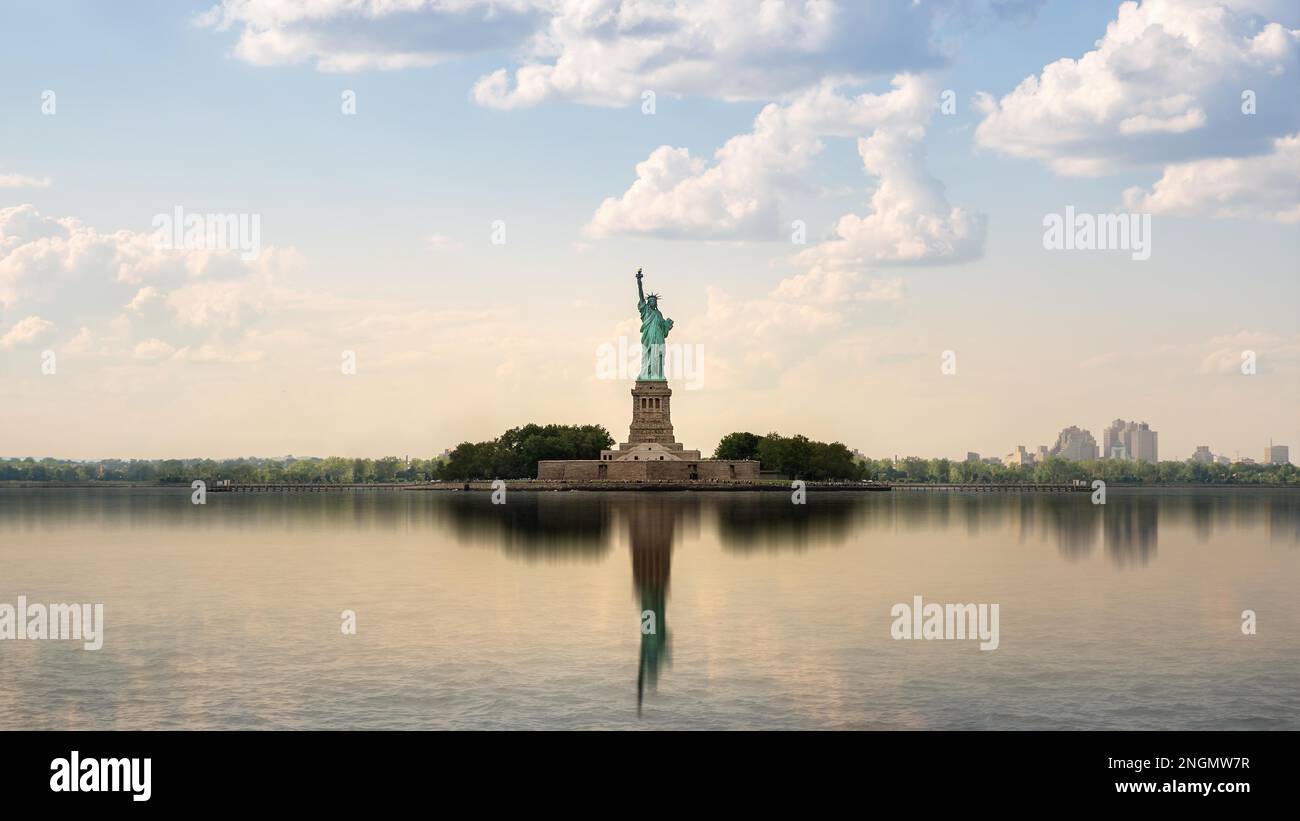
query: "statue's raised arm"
640, 294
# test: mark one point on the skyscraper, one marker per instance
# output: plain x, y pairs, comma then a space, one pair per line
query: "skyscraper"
1020, 456
1277, 454
1137, 440
1144, 444
1112, 440
1076, 444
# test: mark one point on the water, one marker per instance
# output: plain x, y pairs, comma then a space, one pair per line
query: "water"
769, 615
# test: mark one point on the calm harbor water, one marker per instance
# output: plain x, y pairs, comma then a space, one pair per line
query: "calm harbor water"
768, 614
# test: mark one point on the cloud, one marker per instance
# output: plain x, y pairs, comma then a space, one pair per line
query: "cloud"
127, 295
680, 196
91, 273
219, 304
1222, 354
25, 330
600, 52
1273, 353
143, 298
81, 343
755, 341
41, 256
152, 349
121, 287
608, 53
23, 181
737, 196
910, 221
214, 353
356, 35
441, 242
1163, 85
22, 224
1265, 187
822, 287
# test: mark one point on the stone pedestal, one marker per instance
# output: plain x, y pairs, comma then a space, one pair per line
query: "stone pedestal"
650, 437
652, 421
651, 452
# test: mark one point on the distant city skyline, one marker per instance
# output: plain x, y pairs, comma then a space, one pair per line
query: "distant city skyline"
1128, 441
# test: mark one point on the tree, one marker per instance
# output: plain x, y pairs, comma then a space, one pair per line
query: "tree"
302, 471
802, 458
385, 469
939, 470
916, 469
520, 449
470, 460
336, 470
737, 446
1057, 471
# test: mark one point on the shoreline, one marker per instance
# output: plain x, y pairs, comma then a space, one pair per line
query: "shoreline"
606, 486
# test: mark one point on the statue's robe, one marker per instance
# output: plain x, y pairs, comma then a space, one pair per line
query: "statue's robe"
654, 334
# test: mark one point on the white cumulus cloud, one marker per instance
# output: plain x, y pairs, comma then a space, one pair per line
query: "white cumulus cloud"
606, 52
25, 330
1264, 187
153, 348
1164, 84
24, 181
355, 35
601, 52
910, 221
734, 197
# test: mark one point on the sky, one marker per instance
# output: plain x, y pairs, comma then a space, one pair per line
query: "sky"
846, 208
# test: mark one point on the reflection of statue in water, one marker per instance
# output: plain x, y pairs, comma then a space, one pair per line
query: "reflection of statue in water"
580, 527
654, 334
652, 551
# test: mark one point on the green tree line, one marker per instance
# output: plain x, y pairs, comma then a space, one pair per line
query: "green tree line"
331, 470
1055, 470
797, 457
801, 458
513, 455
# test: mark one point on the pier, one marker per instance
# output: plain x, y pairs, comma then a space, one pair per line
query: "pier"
308, 487
1023, 487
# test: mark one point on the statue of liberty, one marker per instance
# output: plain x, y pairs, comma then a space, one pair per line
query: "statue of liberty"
654, 334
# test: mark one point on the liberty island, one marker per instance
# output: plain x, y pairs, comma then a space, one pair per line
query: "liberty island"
651, 452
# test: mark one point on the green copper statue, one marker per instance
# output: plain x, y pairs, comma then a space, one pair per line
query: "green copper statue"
654, 334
